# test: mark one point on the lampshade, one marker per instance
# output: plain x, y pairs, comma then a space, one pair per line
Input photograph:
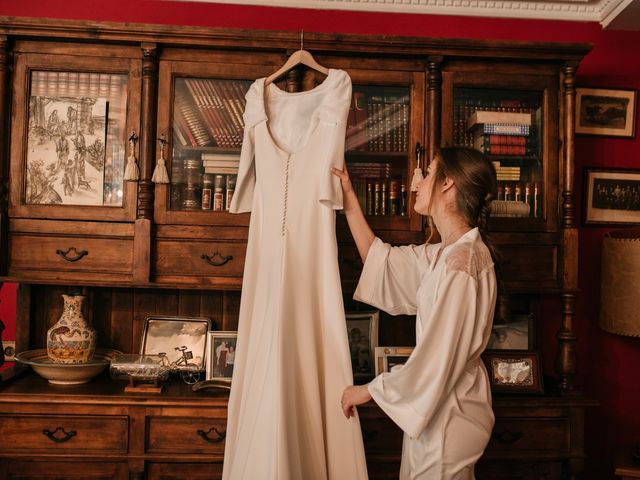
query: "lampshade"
620, 285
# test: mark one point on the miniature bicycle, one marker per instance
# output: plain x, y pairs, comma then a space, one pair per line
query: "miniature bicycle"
190, 372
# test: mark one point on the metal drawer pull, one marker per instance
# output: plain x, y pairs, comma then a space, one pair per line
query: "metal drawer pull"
205, 435
65, 438
216, 263
507, 436
77, 257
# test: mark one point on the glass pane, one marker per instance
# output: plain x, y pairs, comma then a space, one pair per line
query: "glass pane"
505, 125
207, 136
377, 146
76, 148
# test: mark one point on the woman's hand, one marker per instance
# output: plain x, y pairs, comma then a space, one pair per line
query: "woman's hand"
353, 396
345, 182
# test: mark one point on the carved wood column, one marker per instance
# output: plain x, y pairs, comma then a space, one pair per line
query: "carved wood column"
5, 104
434, 106
566, 356
142, 231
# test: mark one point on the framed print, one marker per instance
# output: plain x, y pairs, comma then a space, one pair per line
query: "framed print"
514, 370
606, 112
391, 358
515, 334
612, 197
183, 340
362, 328
221, 355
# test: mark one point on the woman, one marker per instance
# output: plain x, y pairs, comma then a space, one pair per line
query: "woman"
440, 397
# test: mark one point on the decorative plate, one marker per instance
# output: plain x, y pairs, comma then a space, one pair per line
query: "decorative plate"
66, 373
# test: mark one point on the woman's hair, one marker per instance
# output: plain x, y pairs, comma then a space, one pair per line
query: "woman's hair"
475, 179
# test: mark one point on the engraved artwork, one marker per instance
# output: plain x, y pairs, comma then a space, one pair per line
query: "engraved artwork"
69, 128
513, 372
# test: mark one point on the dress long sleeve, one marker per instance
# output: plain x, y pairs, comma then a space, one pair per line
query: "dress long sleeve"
245, 184
391, 276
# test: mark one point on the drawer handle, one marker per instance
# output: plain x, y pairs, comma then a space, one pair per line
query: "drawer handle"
507, 436
77, 256
368, 435
66, 436
216, 263
205, 435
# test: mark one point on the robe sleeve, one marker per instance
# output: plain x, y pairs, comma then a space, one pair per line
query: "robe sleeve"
391, 276
412, 395
243, 196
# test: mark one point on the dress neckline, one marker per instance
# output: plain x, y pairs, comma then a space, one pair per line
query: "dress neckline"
279, 92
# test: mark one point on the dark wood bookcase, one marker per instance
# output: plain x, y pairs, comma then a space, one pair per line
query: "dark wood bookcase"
151, 249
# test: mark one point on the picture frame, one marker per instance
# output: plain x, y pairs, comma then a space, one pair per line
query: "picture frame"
182, 339
388, 358
362, 332
221, 355
609, 112
611, 196
514, 371
518, 333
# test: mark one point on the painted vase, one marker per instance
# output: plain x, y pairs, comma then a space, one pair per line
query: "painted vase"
71, 340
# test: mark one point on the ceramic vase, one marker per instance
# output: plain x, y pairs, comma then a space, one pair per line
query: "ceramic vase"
71, 340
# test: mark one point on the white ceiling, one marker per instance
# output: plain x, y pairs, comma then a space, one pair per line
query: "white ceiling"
611, 14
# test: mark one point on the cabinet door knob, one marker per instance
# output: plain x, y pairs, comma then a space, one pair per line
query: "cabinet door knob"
507, 436
78, 254
216, 263
207, 438
66, 436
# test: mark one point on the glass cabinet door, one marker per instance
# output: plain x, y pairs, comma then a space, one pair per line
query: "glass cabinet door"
204, 125
73, 120
384, 126
508, 120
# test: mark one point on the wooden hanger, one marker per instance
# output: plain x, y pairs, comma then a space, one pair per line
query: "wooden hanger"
298, 57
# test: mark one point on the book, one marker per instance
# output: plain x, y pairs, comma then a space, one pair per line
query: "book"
507, 208
481, 117
501, 129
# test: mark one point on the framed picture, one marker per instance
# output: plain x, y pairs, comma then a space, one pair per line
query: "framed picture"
221, 355
391, 358
182, 339
612, 196
362, 329
514, 370
606, 112
516, 334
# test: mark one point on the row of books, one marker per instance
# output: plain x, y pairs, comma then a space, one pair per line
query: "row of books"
385, 197
213, 192
508, 145
517, 199
77, 84
208, 112
378, 122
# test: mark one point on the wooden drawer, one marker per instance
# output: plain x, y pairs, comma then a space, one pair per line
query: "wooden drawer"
530, 266
530, 434
70, 253
173, 257
180, 471
380, 434
68, 433
186, 435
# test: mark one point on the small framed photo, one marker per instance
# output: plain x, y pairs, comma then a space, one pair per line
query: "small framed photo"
362, 329
221, 355
611, 196
183, 340
389, 359
516, 334
610, 112
514, 371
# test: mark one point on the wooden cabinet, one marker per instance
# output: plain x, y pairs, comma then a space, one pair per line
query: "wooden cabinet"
173, 96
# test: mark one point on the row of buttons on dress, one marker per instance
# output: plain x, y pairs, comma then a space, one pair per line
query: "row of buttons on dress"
286, 193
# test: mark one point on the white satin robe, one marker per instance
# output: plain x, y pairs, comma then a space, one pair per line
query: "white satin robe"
441, 397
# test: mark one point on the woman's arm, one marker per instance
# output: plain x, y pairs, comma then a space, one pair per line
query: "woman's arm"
362, 233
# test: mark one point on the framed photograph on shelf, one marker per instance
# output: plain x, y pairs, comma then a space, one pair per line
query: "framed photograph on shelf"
362, 330
610, 112
391, 358
182, 339
611, 196
514, 371
221, 355
516, 334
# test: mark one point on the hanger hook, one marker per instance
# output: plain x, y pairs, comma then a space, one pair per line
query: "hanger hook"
302, 39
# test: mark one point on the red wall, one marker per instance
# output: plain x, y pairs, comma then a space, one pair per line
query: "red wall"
609, 365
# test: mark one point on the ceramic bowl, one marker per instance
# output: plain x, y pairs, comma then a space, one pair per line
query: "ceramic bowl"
66, 373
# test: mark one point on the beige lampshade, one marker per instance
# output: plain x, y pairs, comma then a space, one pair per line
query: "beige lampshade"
620, 285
